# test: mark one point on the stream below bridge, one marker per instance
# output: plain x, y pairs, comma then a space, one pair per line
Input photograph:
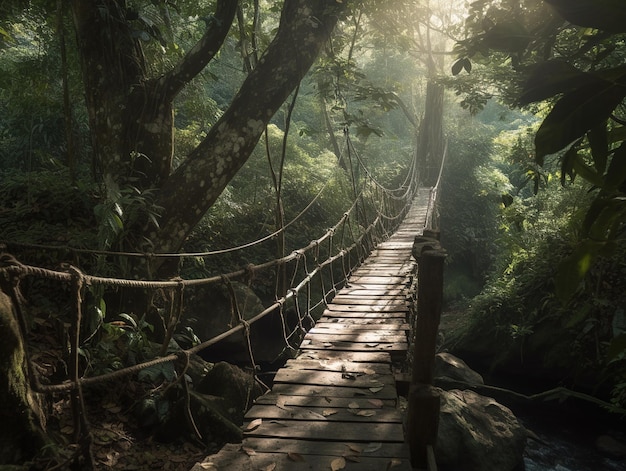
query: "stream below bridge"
567, 441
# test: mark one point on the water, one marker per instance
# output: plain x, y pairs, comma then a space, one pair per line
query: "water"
567, 446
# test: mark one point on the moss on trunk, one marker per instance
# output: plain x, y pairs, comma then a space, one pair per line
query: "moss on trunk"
22, 431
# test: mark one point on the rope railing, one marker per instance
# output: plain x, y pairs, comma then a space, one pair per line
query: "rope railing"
315, 273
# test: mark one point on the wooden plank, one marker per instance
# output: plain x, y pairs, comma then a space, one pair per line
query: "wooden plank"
333, 378
379, 270
324, 402
326, 414
394, 303
375, 449
338, 365
364, 336
357, 327
365, 312
375, 280
348, 346
235, 458
356, 291
324, 430
357, 323
358, 357
343, 329
387, 391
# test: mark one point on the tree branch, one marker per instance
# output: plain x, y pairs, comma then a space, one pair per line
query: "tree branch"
203, 51
195, 185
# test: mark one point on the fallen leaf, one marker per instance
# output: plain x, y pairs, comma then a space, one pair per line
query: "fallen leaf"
369, 371
254, 425
393, 463
281, 401
269, 467
353, 405
328, 399
248, 451
67, 429
353, 458
376, 389
366, 413
295, 456
355, 448
282, 424
208, 465
376, 402
337, 464
372, 447
371, 345
327, 344
329, 412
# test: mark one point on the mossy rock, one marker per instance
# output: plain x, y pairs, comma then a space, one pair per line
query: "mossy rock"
237, 387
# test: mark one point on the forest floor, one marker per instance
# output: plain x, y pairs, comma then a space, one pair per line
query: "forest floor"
118, 440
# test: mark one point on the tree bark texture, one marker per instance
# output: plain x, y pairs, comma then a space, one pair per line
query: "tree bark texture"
21, 413
430, 142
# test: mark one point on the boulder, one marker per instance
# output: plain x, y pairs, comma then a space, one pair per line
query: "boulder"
237, 387
214, 409
449, 366
477, 433
611, 447
210, 313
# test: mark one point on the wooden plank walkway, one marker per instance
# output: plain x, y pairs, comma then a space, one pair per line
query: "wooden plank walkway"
335, 405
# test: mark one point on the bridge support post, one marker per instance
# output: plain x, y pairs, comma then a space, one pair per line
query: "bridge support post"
424, 401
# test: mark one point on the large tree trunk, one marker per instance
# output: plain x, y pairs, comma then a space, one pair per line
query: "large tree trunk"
21, 414
430, 141
192, 189
131, 114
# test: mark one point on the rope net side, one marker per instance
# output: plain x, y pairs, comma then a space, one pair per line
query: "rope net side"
311, 276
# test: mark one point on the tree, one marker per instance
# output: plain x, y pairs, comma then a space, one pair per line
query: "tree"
564, 60
131, 117
570, 54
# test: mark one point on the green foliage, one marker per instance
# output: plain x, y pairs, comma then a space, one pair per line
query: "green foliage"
44, 207
124, 342
568, 63
581, 73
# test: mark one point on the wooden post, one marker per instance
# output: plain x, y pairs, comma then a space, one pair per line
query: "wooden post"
424, 401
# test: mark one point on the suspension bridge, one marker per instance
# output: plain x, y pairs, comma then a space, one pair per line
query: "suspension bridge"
334, 404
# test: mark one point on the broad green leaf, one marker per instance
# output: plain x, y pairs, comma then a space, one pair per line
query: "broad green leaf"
616, 173
607, 221
607, 15
552, 78
574, 114
617, 134
573, 269
509, 36
577, 316
457, 67
567, 164
599, 144
586, 171
617, 348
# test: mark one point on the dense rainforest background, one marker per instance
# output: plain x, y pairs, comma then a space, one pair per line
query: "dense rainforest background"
130, 130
